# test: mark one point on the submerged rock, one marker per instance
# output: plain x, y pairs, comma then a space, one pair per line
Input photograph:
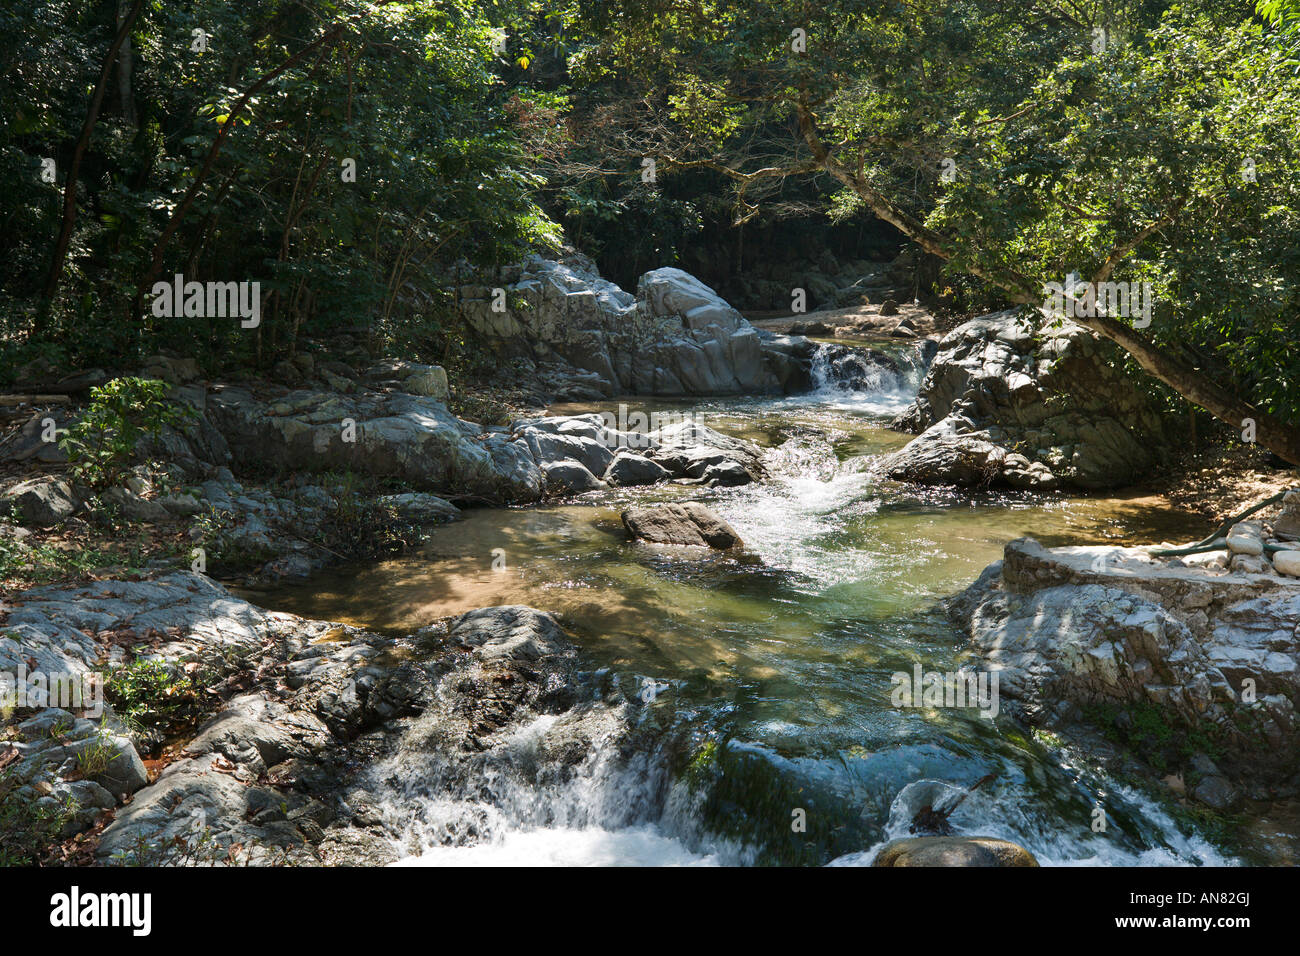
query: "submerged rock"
953, 851
515, 631
689, 525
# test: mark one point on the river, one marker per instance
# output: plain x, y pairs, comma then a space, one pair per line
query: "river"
778, 664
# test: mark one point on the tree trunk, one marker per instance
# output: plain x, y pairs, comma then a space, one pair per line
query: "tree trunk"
126, 98
74, 169
1278, 436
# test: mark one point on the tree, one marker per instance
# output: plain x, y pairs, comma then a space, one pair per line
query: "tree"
1111, 138
343, 153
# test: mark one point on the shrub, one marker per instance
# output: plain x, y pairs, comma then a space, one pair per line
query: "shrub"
121, 412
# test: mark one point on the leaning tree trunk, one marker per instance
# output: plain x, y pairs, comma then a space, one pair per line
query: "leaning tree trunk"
1278, 436
1272, 432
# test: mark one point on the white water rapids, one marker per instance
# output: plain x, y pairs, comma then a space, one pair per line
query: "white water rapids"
774, 665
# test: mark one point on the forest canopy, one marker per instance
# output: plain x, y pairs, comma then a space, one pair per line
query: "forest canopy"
361, 159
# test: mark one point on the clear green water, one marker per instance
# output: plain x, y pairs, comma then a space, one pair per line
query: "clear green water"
786, 653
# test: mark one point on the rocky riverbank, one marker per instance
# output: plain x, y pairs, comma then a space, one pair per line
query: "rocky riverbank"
1190, 663
285, 765
1028, 402
234, 734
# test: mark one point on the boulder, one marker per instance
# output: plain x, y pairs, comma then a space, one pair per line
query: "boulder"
1246, 537
134, 507
583, 438
569, 478
410, 377
689, 525
1250, 563
1050, 392
953, 851
942, 456
1071, 630
173, 371
679, 447
790, 359
41, 502
55, 745
1287, 562
628, 468
1287, 525
1213, 789
420, 506
395, 435
181, 505
197, 446
583, 337
726, 474
29, 441
688, 449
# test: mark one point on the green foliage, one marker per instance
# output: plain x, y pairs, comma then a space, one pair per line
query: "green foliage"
1125, 128
43, 563
28, 825
153, 694
357, 526
347, 185
95, 756
121, 412
1159, 737
1190, 120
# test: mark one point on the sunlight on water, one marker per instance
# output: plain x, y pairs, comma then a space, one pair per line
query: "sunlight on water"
790, 644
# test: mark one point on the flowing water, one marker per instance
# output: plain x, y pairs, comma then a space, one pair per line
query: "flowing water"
779, 668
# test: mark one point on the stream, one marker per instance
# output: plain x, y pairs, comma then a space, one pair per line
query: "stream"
777, 669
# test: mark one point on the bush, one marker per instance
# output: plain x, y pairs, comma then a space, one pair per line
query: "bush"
152, 694
121, 412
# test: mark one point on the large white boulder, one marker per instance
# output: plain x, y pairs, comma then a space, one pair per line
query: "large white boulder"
583, 337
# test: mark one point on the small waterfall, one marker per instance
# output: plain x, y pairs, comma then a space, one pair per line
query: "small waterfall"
868, 369
1149, 836
866, 380
553, 790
